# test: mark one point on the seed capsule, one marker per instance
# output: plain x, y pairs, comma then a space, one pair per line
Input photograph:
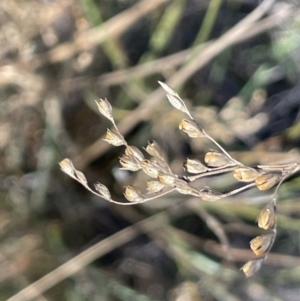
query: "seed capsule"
267, 181
154, 150
105, 108
167, 179
245, 174
184, 188
67, 166
81, 177
191, 128
161, 165
133, 194
251, 267
194, 166
261, 244
154, 186
135, 152
267, 217
114, 138
175, 99
103, 190
149, 168
129, 163
216, 159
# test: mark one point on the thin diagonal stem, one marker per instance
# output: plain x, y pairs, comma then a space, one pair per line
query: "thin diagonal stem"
210, 172
238, 190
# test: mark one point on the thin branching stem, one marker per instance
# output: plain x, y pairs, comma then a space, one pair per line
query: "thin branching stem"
238, 190
211, 172
263, 177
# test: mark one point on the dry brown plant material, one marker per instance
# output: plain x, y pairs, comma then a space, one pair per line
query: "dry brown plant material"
267, 217
114, 138
216, 159
194, 166
251, 267
245, 174
267, 181
154, 186
133, 194
154, 150
260, 245
190, 128
129, 163
165, 181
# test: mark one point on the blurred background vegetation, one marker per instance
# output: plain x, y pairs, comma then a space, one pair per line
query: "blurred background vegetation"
238, 68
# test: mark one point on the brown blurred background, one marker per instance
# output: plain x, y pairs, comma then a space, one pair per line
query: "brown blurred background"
235, 62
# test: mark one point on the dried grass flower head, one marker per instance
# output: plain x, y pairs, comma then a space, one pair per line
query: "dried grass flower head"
133, 194
165, 181
105, 108
267, 217
245, 174
267, 180
251, 267
67, 166
194, 166
191, 128
115, 138
216, 159
260, 245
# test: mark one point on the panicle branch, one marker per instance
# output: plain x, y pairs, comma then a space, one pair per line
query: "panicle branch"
164, 181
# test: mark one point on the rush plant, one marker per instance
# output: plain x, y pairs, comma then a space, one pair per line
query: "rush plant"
163, 181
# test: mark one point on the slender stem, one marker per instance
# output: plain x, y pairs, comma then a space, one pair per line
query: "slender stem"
279, 167
211, 172
121, 203
236, 191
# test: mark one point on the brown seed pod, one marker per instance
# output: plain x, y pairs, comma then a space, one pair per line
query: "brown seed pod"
81, 177
161, 165
245, 174
114, 138
216, 159
251, 267
267, 217
260, 245
105, 108
149, 168
167, 179
103, 190
129, 163
133, 194
135, 152
153, 149
194, 166
191, 128
67, 166
267, 181
154, 186
175, 99
184, 188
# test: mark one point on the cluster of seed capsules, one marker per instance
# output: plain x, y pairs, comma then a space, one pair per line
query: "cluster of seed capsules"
164, 181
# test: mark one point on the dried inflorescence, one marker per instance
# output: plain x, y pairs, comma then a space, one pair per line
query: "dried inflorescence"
164, 181
262, 244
